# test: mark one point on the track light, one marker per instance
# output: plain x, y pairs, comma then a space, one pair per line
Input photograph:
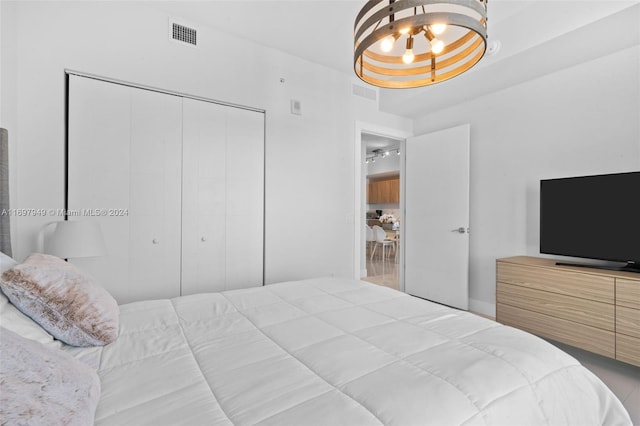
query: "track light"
379, 153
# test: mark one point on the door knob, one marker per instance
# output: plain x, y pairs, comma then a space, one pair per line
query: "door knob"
460, 230
203, 239
155, 241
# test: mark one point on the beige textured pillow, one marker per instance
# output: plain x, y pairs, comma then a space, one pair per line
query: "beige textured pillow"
63, 300
43, 385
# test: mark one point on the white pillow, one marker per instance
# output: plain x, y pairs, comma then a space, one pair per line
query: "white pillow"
43, 385
6, 262
12, 319
63, 300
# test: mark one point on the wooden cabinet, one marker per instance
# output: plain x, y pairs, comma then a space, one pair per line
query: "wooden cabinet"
628, 320
592, 309
384, 190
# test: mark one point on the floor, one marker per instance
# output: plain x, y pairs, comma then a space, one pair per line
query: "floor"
382, 271
623, 379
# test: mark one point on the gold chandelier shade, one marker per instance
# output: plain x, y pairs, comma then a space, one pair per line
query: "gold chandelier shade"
396, 44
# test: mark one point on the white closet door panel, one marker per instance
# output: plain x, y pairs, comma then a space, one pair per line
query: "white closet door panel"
125, 153
155, 203
147, 197
203, 264
244, 252
99, 143
98, 167
111, 271
203, 197
245, 198
211, 197
245, 162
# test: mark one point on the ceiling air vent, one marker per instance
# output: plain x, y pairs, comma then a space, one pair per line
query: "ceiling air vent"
182, 33
365, 92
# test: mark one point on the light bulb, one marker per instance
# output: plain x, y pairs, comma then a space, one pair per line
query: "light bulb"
387, 43
404, 31
437, 28
437, 46
408, 56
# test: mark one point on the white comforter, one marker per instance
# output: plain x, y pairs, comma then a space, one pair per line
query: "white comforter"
336, 352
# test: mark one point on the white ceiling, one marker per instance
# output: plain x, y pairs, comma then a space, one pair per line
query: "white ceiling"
319, 31
322, 31
373, 142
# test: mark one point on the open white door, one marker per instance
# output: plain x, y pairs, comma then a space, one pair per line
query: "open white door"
437, 216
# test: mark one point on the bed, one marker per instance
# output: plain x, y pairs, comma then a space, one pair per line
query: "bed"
333, 351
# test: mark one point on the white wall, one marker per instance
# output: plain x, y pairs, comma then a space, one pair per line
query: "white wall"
578, 121
128, 41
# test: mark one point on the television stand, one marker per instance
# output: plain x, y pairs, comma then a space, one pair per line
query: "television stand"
592, 309
629, 267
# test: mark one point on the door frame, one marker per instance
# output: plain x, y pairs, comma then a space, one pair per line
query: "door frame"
359, 198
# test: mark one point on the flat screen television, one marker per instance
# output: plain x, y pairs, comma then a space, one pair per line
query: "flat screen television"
593, 217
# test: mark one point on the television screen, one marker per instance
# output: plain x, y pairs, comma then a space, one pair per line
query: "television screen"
595, 217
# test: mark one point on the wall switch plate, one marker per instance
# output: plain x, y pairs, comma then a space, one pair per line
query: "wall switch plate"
296, 107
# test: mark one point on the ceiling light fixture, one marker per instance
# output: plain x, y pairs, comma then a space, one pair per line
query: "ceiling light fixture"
379, 153
388, 54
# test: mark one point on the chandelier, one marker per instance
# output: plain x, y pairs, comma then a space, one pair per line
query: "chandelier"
413, 43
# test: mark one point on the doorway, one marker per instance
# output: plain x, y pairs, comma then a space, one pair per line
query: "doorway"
382, 219
370, 137
439, 228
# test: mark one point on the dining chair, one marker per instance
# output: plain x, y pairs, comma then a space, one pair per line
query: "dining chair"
381, 240
371, 238
396, 245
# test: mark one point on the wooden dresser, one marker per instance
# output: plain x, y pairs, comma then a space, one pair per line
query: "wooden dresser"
592, 309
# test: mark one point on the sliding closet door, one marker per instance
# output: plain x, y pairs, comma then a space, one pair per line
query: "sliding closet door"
223, 197
184, 179
245, 198
125, 160
204, 197
155, 195
98, 167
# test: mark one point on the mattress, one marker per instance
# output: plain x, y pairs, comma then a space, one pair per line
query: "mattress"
335, 352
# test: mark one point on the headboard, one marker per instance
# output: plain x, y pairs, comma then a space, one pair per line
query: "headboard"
5, 226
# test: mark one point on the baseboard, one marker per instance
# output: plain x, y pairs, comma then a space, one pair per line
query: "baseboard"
482, 307
363, 273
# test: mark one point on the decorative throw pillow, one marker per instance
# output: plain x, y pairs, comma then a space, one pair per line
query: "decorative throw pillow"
44, 386
14, 320
63, 300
